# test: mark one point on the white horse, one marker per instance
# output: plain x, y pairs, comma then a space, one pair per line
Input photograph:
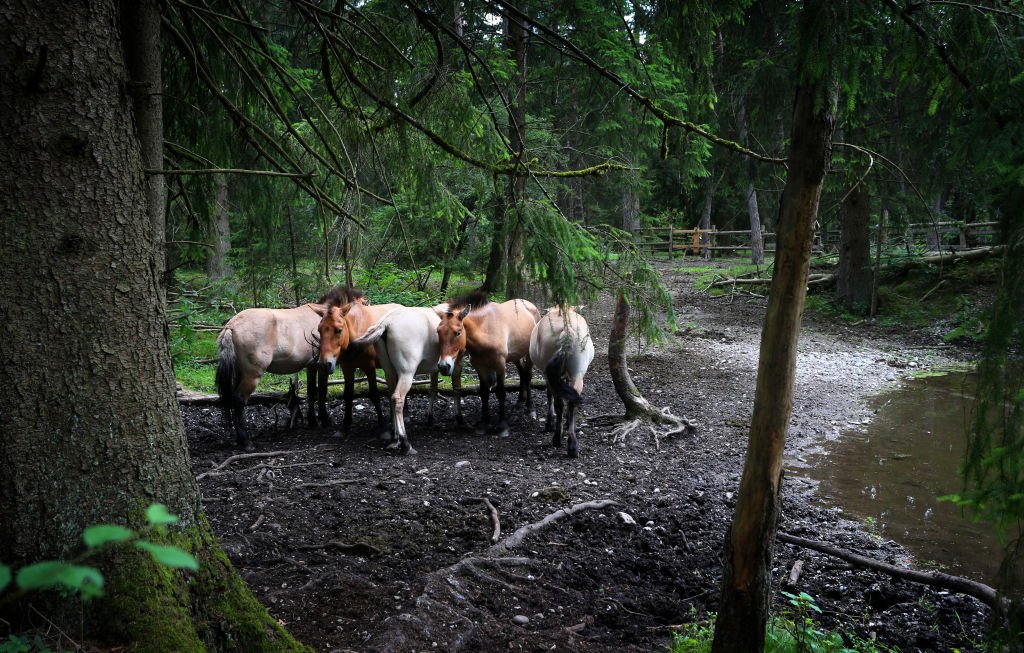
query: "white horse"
561, 345
406, 343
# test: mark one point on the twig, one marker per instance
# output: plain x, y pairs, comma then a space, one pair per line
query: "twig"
259, 521
243, 456
494, 519
794, 573
344, 546
928, 294
340, 481
514, 540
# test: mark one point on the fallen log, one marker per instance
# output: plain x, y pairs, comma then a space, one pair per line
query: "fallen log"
962, 255
980, 591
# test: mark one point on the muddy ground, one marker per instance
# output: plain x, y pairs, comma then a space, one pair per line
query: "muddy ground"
356, 549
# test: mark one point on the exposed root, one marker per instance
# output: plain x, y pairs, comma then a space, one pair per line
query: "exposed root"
242, 456
515, 539
676, 425
494, 519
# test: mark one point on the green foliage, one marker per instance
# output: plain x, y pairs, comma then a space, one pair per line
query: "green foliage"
72, 577
793, 630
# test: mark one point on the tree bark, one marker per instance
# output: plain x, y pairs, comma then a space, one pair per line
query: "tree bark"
756, 242
705, 214
630, 209
515, 41
853, 278
91, 430
140, 20
743, 608
217, 265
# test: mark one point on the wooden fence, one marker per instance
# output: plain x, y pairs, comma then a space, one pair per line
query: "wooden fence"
934, 236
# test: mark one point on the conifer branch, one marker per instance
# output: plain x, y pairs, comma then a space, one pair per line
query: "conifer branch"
229, 171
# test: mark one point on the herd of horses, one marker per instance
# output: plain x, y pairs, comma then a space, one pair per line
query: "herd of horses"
343, 330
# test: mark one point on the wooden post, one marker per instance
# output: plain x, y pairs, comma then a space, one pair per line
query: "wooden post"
963, 237
670, 248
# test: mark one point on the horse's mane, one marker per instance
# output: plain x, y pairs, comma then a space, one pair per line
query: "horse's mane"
475, 298
340, 295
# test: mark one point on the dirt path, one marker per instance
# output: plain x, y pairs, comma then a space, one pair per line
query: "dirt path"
356, 549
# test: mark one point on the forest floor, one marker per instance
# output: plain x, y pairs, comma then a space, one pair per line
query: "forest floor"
355, 549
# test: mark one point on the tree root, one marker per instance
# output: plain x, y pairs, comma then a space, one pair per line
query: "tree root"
242, 456
445, 612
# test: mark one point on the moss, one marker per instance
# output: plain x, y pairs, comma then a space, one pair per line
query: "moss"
154, 608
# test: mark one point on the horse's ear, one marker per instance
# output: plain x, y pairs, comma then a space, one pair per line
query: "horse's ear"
441, 310
346, 308
465, 311
319, 309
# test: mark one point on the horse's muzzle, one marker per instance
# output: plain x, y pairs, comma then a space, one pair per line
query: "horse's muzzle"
445, 367
328, 365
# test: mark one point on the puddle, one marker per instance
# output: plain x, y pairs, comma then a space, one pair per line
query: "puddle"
890, 474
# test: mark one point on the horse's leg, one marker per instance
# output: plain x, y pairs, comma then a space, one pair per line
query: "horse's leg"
350, 383
400, 440
242, 392
525, 378
392, 379
371, 380
549, 421
485, 408
321, 395
312, 376
457, 389
433, 397
500, 392
572, 449
556, 439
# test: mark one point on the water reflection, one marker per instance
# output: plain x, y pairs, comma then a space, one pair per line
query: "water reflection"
891, 473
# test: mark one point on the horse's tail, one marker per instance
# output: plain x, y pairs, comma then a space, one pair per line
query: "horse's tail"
227, 371
375, 332
555, 372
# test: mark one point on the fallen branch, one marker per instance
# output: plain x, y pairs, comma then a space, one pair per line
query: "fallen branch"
494, 519
963, 255
340, 481
344, 546
794, 573
928, 294
980, 591
242, 456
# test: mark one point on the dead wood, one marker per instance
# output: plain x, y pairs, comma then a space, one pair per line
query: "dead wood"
962, 255
494, 519
242, 456
340, 481
344, 546
516, 538
980, 591
794, 573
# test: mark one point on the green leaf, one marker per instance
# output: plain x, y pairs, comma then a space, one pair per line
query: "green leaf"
157, 515
169, 556
99, 535
5, 576
51, 573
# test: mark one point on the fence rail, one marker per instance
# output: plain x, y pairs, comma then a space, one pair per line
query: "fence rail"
935, 236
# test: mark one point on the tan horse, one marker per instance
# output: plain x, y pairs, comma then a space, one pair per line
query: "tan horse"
338, 327
561, 345
275, 340
493, 335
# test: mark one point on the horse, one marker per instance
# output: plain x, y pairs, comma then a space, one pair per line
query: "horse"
275, 340
562, 346
405, 340
339, 326
493, 335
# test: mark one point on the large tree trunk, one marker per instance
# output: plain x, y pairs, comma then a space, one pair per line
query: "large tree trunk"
743, 609
853, 278
217, 265
515, 40
140, 21
705, 214
91, 429
630, 209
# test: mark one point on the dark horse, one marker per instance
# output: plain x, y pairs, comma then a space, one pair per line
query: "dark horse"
275, 340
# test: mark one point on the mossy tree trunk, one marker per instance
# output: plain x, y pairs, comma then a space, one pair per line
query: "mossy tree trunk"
91, 430
749, 544
515, 43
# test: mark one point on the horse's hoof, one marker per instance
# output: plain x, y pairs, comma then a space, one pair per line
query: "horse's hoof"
392, 445
533, 415
503, 432
408, 450
573, 451
247, 446
548, 427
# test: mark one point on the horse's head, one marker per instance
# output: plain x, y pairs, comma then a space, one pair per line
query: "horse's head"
335, 333
451, 336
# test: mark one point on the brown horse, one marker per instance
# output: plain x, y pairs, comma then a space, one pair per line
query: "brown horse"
275, 340
561, 345
493, 334
339, 326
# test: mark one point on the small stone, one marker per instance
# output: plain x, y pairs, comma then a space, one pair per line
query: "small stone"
520, 620
627, 518
462, 463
